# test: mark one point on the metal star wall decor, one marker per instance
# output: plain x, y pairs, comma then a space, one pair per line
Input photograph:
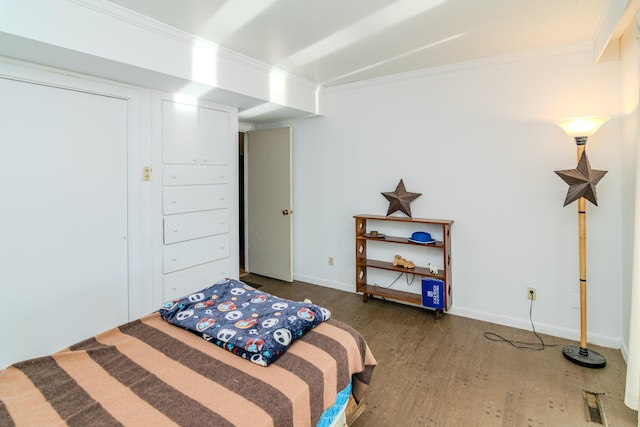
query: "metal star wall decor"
582, 181
400, 199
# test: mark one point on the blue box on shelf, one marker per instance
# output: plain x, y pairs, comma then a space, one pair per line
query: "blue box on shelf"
432, 293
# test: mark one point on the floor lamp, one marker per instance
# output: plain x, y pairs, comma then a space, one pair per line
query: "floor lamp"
582, 182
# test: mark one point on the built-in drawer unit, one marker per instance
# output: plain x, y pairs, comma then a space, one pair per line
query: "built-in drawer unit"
199, 195
193, 225
180, 199
193, 252
194, 175
184, 282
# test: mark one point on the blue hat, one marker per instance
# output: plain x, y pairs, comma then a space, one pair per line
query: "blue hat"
421, 237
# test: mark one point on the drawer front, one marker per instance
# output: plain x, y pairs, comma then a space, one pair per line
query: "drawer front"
185, 282
193, 225
182, 199
189, 175
193, 252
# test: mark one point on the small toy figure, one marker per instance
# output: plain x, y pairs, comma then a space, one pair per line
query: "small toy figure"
398, 260
433, 269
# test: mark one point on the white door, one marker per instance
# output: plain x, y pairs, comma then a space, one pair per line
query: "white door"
269, 203
63, 185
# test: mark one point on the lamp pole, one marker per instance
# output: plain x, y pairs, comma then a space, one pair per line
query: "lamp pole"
582, 242
581, 128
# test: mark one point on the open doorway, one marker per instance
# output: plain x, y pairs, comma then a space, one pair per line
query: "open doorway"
241, 220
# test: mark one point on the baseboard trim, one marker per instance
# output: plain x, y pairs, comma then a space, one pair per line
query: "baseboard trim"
543, 328
340, 286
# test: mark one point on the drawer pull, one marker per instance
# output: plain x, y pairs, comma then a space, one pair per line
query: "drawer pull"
175, 230
174, 176
174, 287
205, 160
174, 201
174, 258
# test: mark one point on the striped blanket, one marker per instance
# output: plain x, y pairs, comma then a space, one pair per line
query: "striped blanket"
148, 372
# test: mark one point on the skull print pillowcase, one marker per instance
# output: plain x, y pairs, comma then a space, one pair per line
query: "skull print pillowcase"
254, 325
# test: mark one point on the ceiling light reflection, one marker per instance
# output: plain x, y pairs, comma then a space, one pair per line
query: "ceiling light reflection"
278, 88
394, 58
379, 21
204, 63
227, 20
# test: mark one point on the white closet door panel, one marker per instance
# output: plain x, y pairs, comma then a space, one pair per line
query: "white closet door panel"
185, 282
179, 133
213, 136
190, 175
187, 226
193, 252
194, 198
63, 186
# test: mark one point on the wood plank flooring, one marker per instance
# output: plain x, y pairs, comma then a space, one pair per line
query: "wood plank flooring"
444, 372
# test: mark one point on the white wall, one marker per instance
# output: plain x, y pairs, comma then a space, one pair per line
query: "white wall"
630, 52
479, 142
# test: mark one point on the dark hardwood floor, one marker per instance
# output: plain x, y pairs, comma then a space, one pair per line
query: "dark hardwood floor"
444, 372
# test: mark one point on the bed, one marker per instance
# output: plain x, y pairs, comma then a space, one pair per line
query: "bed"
152, 372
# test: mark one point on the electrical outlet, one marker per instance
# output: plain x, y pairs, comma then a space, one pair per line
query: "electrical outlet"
531, 294
331, 261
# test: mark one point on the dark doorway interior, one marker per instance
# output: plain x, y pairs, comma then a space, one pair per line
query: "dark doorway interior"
241, 200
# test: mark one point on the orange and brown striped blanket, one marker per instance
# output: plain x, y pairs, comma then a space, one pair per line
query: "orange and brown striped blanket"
148, 372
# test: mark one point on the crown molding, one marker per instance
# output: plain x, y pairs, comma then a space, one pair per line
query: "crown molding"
464, 66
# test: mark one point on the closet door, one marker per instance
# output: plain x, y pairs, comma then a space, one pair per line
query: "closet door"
63, 184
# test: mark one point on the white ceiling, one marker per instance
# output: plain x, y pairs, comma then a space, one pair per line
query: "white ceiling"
333, 42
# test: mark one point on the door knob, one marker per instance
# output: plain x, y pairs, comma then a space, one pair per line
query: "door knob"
285, 212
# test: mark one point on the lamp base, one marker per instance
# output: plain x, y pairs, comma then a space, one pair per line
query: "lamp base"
584, 357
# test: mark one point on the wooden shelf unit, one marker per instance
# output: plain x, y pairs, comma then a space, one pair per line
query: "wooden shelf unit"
363, 263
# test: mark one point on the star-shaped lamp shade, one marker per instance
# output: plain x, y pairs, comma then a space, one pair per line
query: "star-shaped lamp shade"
582, 181
400, 200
